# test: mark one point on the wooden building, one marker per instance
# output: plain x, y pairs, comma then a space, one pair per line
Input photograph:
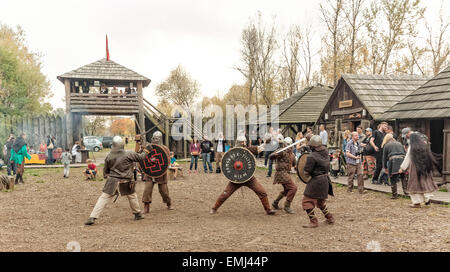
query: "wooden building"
302, 109
428, 110
362, 100
83, 97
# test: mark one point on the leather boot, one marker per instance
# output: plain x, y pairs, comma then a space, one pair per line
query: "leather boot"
394, 191
328, 215
287, 207
138, 216
17, 179
169, 206
90, 221
313, 222
216, 206
146, 207
276, 201
266, 205
21, 179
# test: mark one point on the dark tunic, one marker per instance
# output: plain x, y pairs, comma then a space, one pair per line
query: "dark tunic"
393, 155
119, 171
317, 166
285, 160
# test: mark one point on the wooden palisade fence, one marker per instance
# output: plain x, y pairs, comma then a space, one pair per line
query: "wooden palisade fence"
36, 127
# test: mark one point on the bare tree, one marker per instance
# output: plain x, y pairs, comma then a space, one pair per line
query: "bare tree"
265, 65
307, 54
438, 43
290, 73
331, 15
249, 43
353, 11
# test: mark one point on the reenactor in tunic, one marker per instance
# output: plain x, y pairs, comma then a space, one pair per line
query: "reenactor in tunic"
161, 181
319, 187
253, 184
118, 171
285, 160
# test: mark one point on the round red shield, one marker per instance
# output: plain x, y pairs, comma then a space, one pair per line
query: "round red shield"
156, 163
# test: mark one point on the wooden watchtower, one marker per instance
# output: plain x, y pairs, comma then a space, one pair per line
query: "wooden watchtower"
83, 87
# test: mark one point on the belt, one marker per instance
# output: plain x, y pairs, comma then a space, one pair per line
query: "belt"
397, 157
320, 175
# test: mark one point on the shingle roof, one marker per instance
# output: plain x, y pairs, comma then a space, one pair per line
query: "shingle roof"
378, 93
105, 70
304, 106
431, 100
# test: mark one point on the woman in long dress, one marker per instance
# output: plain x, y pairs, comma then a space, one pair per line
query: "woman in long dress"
419, 161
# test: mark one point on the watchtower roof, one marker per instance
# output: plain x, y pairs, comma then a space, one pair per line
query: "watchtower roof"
105, 70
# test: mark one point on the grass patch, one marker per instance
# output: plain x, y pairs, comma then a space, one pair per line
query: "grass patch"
445, 190
339, 185
40, 181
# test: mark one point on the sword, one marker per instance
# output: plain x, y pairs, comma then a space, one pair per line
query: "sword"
291, 145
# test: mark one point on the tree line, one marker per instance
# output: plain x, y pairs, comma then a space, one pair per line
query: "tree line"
356, 37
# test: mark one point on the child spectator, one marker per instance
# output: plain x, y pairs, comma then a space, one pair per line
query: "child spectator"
335, 165
174, 164
91, 171
66, 159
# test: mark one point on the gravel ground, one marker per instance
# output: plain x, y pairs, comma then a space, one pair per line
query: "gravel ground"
48, 212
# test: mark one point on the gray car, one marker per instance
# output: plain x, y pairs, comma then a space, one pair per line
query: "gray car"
93, 144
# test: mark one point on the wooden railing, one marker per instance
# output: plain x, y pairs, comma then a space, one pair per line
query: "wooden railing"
104, 103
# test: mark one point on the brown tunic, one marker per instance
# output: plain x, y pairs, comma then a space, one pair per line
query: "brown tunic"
119, 171
416, 186
285, 161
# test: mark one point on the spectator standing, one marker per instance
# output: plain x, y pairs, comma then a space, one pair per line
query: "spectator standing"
347, 138
368, 152
66, 158
10, 164
50, 146
220, 150
270, 147
297, 148
419, 162
335, 164
43, 147
323, 135
76, 152
195, 150
206, 146
353, 151
361, 135
18, 155
393, 156
376, 142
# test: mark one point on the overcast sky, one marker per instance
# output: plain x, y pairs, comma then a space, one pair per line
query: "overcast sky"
152, 37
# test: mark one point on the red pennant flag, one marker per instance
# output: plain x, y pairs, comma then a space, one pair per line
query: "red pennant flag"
107, 50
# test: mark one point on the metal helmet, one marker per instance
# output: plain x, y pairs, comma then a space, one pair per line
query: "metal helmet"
315, 141
280, 138
117, 142
157, 136
288, 140
241, 138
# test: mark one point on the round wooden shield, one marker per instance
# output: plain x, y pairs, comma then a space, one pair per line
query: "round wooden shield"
238, 165
300, 166
157, 162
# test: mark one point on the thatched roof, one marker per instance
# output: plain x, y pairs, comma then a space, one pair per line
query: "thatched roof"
105, 70
304, 106
378, 93
431, 100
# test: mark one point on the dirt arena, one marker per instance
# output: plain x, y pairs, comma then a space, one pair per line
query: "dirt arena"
48, 212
